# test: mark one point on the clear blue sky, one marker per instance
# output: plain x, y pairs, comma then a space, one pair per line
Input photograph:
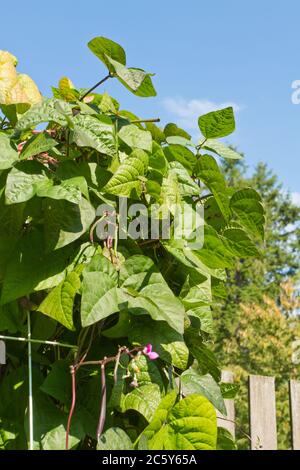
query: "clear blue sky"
203, 53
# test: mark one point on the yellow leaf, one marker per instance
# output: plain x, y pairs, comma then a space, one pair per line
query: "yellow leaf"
15, 88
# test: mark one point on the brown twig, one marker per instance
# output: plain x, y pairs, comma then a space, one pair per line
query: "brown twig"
73, 375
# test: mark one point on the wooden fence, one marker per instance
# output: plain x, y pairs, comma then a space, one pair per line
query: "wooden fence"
262, 412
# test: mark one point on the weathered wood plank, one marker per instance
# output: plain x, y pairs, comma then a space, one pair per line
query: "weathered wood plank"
227, 422
295, 412
262, 412
2, 353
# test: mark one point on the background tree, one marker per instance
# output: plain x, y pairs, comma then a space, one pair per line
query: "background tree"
255, 324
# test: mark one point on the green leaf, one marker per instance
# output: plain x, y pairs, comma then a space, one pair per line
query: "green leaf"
214, 252
31, 268
66, 190
225, 440
206, 359
165, 341
49, 110
217, 123
37, 144
229, 390
208, 171
131, 77
152, 293
157, 134
171, 129
178, 140
100, 295
90, 131
157, 159
220, 149
204, 315
66, 222
24, 180
135, 137
182, 155
59, 302
196, 290
144, 399
8, 155
186, 184
189, 425
146, 89
57, 384
105, 48
239, 243
114, 439
126, 180
247, 205
194, 382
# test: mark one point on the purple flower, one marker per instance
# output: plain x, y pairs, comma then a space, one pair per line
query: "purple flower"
148, 352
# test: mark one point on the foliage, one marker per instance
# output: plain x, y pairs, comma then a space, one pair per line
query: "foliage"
152, 295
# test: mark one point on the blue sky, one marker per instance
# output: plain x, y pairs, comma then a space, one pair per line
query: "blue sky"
204, 54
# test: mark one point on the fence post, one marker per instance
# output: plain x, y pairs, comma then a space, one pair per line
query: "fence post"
294, 387
227, 422
262, 406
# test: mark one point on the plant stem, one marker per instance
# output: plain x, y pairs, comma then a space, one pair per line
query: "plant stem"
103, 403
30, 400
95, 86
145, 120
73, 372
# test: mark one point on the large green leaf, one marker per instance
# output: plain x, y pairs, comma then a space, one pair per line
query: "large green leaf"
8, 155
194, 382
31, 268
239, 243
247, 205
150, 292
126, 181
190, 424
105, 48
115, 439
48, 110
59, 302
214, 252
24, 180
100, 295
66, 222
146, 89
135, 137
208, 171
90, 131
186, 184
131, 77
217, 123
165, 341
172, 129
206, 359
144, 399
182, 155
37, 144
220, 149
57, 384
67, 190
